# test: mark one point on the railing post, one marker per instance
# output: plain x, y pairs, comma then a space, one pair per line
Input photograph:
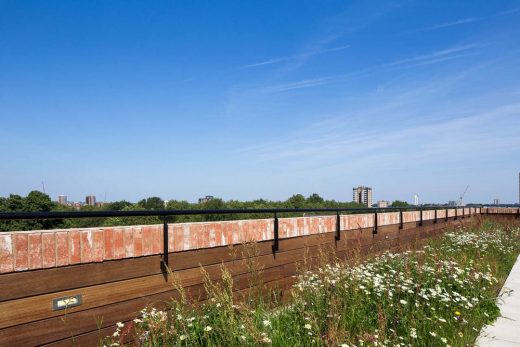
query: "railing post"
456, 213
401, 218
421, 218
518, 213
338, 227
446, 217
276, 239
374, 231
165, 242
463, 213
435, 220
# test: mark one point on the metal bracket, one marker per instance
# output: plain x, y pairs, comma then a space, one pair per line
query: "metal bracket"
446, 217
276, 244
456, 213
435, 220
165, 242
401, 218
421, 220
374, 231
338, 227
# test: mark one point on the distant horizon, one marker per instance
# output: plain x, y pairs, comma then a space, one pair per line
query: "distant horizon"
260, 99
375, 201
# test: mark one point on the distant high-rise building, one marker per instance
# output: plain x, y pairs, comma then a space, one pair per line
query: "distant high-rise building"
62, 199
362, 195
90, 200
383, 203
496, 201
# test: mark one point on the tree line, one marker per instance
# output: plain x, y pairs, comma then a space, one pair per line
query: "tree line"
37, 201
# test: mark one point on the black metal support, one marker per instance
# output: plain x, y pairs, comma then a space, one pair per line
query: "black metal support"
421, 220
374, 231
401, 219
463, 213
446, 217
435, 218
276, 244
518, 213
165, 242
456, 213
338, 227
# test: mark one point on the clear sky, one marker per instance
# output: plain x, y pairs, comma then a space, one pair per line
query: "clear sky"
260, 99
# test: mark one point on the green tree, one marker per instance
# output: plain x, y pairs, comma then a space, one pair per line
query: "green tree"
35, 201
38, 201
140, 220
152, 203
214, 204
296, 201
117, 205
315, 200
182, 205
398, 203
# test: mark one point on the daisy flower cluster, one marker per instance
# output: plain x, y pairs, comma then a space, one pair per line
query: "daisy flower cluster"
439, 295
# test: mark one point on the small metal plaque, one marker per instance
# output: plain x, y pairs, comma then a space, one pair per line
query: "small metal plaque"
66, 302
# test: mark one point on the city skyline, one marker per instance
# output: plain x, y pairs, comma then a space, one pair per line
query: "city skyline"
63, 199
182, 100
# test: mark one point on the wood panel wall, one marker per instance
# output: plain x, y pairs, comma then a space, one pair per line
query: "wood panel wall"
117, 290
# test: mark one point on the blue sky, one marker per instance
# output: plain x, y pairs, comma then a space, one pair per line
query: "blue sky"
245, 100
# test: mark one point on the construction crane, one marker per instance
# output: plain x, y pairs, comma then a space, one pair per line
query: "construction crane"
462, 195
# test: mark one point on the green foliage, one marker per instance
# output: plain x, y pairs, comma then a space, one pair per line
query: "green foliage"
398, 203
296, 201
152, 203
117, 205
314, 200
114, 221
37, 201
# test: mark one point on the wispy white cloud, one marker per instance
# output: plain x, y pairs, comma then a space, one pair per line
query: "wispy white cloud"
299, 84
435, 57
508, 12
295, 57
419, 125
428, 141
449, 24
462, 21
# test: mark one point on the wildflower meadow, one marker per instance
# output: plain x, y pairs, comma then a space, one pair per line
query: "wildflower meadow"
440, 294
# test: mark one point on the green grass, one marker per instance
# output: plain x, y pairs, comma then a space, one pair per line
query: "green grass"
439, 295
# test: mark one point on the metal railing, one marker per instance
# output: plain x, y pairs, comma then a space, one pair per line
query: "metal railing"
164, 214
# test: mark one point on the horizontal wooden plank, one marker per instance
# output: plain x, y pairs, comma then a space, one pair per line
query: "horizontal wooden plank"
30, 283
132, 289
48, 330
28, 309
